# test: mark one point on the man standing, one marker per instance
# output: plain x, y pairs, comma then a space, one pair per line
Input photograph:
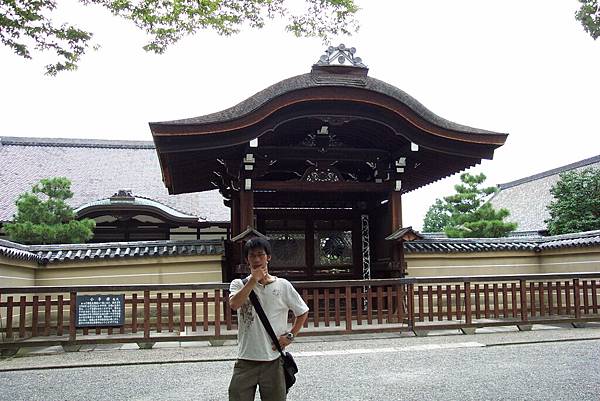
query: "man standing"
259, 363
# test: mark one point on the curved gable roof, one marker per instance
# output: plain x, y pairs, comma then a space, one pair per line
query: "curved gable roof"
135, 204
339, 91
318, 78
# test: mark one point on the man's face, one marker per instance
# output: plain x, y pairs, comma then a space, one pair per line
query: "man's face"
257, 259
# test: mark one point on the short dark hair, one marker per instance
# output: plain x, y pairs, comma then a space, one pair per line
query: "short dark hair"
257, 243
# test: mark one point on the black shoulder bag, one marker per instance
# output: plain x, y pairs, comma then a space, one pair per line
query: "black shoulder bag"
289, 365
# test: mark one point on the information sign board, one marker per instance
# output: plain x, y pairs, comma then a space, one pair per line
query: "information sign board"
100, 310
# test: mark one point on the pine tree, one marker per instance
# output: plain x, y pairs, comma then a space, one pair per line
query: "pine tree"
466, 214
44, 217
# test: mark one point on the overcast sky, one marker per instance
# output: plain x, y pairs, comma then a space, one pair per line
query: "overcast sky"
522, 67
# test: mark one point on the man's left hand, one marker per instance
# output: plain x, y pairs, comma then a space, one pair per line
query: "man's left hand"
283, 342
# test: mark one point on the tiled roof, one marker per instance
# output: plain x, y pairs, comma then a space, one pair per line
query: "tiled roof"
526, 199
97, 170
533, 243
17, 251
46, 254
576, 240
404, 233
573, 166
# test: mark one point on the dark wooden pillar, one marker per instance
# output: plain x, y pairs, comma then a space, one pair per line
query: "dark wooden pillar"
235, 215
242, 208
395, 205
246, 209
396, 210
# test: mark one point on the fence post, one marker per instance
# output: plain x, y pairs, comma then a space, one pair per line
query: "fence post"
216, 341
72, 312
7, 336
23, 316
71, 346
468, 312
410, 301
217, 313
134, 313
576, 298
400, 297
182, 312
146, 314
34, 316
9, 307
348, 308
9, 317
47, 313
146, 343
577, 303
523, 326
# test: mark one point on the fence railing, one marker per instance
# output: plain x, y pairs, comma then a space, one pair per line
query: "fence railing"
34, 316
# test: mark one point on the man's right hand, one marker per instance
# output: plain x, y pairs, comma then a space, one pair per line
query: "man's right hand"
258, 274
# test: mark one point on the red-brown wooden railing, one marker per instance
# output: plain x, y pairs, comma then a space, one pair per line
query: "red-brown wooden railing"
32, 316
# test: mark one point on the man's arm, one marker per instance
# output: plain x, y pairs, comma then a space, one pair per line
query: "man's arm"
298, 323
240, 297
296, 327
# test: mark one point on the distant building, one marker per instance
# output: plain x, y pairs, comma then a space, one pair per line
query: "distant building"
117, 183
527, 198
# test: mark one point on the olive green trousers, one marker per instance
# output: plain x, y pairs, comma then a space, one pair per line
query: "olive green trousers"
268, 376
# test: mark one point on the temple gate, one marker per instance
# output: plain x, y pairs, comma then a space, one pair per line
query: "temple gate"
318, 163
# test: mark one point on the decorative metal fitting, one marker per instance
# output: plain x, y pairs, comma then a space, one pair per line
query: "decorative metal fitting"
341, 54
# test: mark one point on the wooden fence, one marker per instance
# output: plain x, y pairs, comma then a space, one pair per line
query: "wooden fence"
41, 316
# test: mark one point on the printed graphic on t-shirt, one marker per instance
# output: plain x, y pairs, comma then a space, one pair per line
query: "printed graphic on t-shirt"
246, 315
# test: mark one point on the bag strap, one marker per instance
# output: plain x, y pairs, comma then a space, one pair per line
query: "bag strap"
263, 317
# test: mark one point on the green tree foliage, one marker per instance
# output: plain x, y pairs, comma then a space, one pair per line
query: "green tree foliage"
437, 217
466, 214
27, 25
576, 204
43, 216
589, 16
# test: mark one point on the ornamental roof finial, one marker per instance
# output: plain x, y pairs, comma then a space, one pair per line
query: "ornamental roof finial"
341, 54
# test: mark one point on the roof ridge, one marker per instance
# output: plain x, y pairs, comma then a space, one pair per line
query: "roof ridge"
92, 203
500, 240
164, 204
582, 234
538, 239
129, 244
553, 171
15, 245
15, 250
75, 142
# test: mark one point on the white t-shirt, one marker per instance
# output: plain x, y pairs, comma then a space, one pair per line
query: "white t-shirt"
276, 299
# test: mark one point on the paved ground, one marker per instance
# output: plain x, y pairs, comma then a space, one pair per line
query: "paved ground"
554, 363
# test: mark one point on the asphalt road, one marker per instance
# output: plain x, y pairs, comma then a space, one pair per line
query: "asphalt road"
567, 370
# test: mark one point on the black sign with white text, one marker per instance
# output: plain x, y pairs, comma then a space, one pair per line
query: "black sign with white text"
100, 310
